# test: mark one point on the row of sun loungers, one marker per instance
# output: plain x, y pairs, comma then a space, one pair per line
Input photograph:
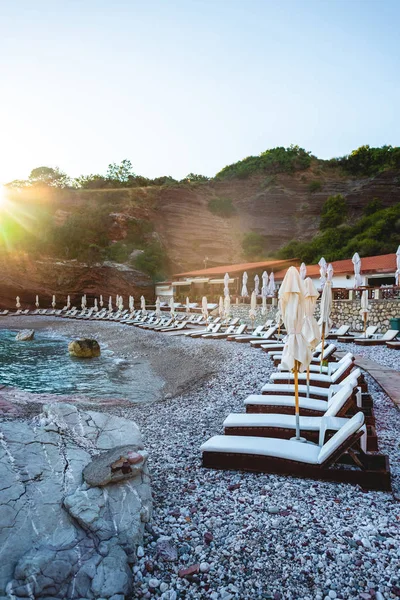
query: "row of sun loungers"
336, 418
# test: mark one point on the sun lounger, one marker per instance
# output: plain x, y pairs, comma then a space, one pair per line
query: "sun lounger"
326, 370
393, 345
265, 337
369, 332
315, 391
177, 327
341, 331
209, 329
317, 379
316, 357
389, 336
3, 313
287, 457
240, 329
245, 339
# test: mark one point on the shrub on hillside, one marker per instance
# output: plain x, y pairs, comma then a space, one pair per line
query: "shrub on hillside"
334, 212
222, 207
314, 186
253, 245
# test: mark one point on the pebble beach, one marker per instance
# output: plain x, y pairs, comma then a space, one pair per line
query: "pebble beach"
228, 535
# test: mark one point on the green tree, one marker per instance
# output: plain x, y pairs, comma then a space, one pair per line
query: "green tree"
48, 176
373, 206
334, 212
193, 177
122, 173
253, 245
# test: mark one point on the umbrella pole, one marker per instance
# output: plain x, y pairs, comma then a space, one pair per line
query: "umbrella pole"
279, 332
296, 398
308, 382
365, 325
322, 346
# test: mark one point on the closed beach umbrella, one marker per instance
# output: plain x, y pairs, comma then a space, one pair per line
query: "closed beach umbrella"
278, 319
131, 304
172, 306
257, 285
253, 307
95, 307
296, 355
143, 305
310, 329
158, 307
121, 303
17, 302
356, 260
398, 265
117, 301
53, 302
326, 307
364, 308
322, 271
244, 293
221, 307
187, 305
204, 307
227, 307
263, 305
264, 289
272, 286
226, 284
101, 301
37, 302
83, 302
303, 271
68, 301
110, 306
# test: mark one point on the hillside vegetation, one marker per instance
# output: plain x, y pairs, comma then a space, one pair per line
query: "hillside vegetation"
284, 202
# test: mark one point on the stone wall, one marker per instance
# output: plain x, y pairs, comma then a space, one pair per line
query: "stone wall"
344, 312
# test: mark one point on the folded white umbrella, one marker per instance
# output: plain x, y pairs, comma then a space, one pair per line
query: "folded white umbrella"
131, 304
158, 307
272, 286
53, 302
264, 289
17, 302
172, 306
322, 271
311, 330
263, 305
68, 302
325, 309
244, 293
110, 306
121, 303
221, 307
227, 307
257, 285
303, 271
204, 307
95, 307
83, 302
143, 305
187, 305
398, 265
253, 307
101, 301
37, 302
226, 284
364, 308
296, 355
356, 260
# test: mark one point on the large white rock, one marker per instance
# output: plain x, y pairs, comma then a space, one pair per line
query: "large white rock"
58, 537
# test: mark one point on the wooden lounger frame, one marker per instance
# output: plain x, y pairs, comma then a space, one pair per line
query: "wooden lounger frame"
372, 469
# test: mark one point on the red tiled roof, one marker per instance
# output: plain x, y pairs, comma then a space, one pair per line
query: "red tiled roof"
386, 263
221, 270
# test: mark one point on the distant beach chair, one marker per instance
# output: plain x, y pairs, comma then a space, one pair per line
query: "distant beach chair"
389, 336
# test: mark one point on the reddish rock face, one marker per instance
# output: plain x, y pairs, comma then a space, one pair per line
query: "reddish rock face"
25, 277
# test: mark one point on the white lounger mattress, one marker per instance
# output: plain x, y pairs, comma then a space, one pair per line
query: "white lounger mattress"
264, 399
288, 421
288, 449
287, 389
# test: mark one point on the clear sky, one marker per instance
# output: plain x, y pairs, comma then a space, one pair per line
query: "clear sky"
181, 86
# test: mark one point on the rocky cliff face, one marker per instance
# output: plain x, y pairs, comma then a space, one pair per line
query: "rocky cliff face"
20, 275
281, 207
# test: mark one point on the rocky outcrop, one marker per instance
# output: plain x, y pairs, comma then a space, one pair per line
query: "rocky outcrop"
84, 348
25, 336
60, 537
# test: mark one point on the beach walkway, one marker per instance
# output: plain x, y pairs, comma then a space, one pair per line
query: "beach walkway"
388, 379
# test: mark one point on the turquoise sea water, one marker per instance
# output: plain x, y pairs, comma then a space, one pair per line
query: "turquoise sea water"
43, 365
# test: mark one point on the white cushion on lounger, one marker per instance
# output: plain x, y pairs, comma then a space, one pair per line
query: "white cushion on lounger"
273, 400
288, 388
352, 425
239, 444
316, 376
287, 421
